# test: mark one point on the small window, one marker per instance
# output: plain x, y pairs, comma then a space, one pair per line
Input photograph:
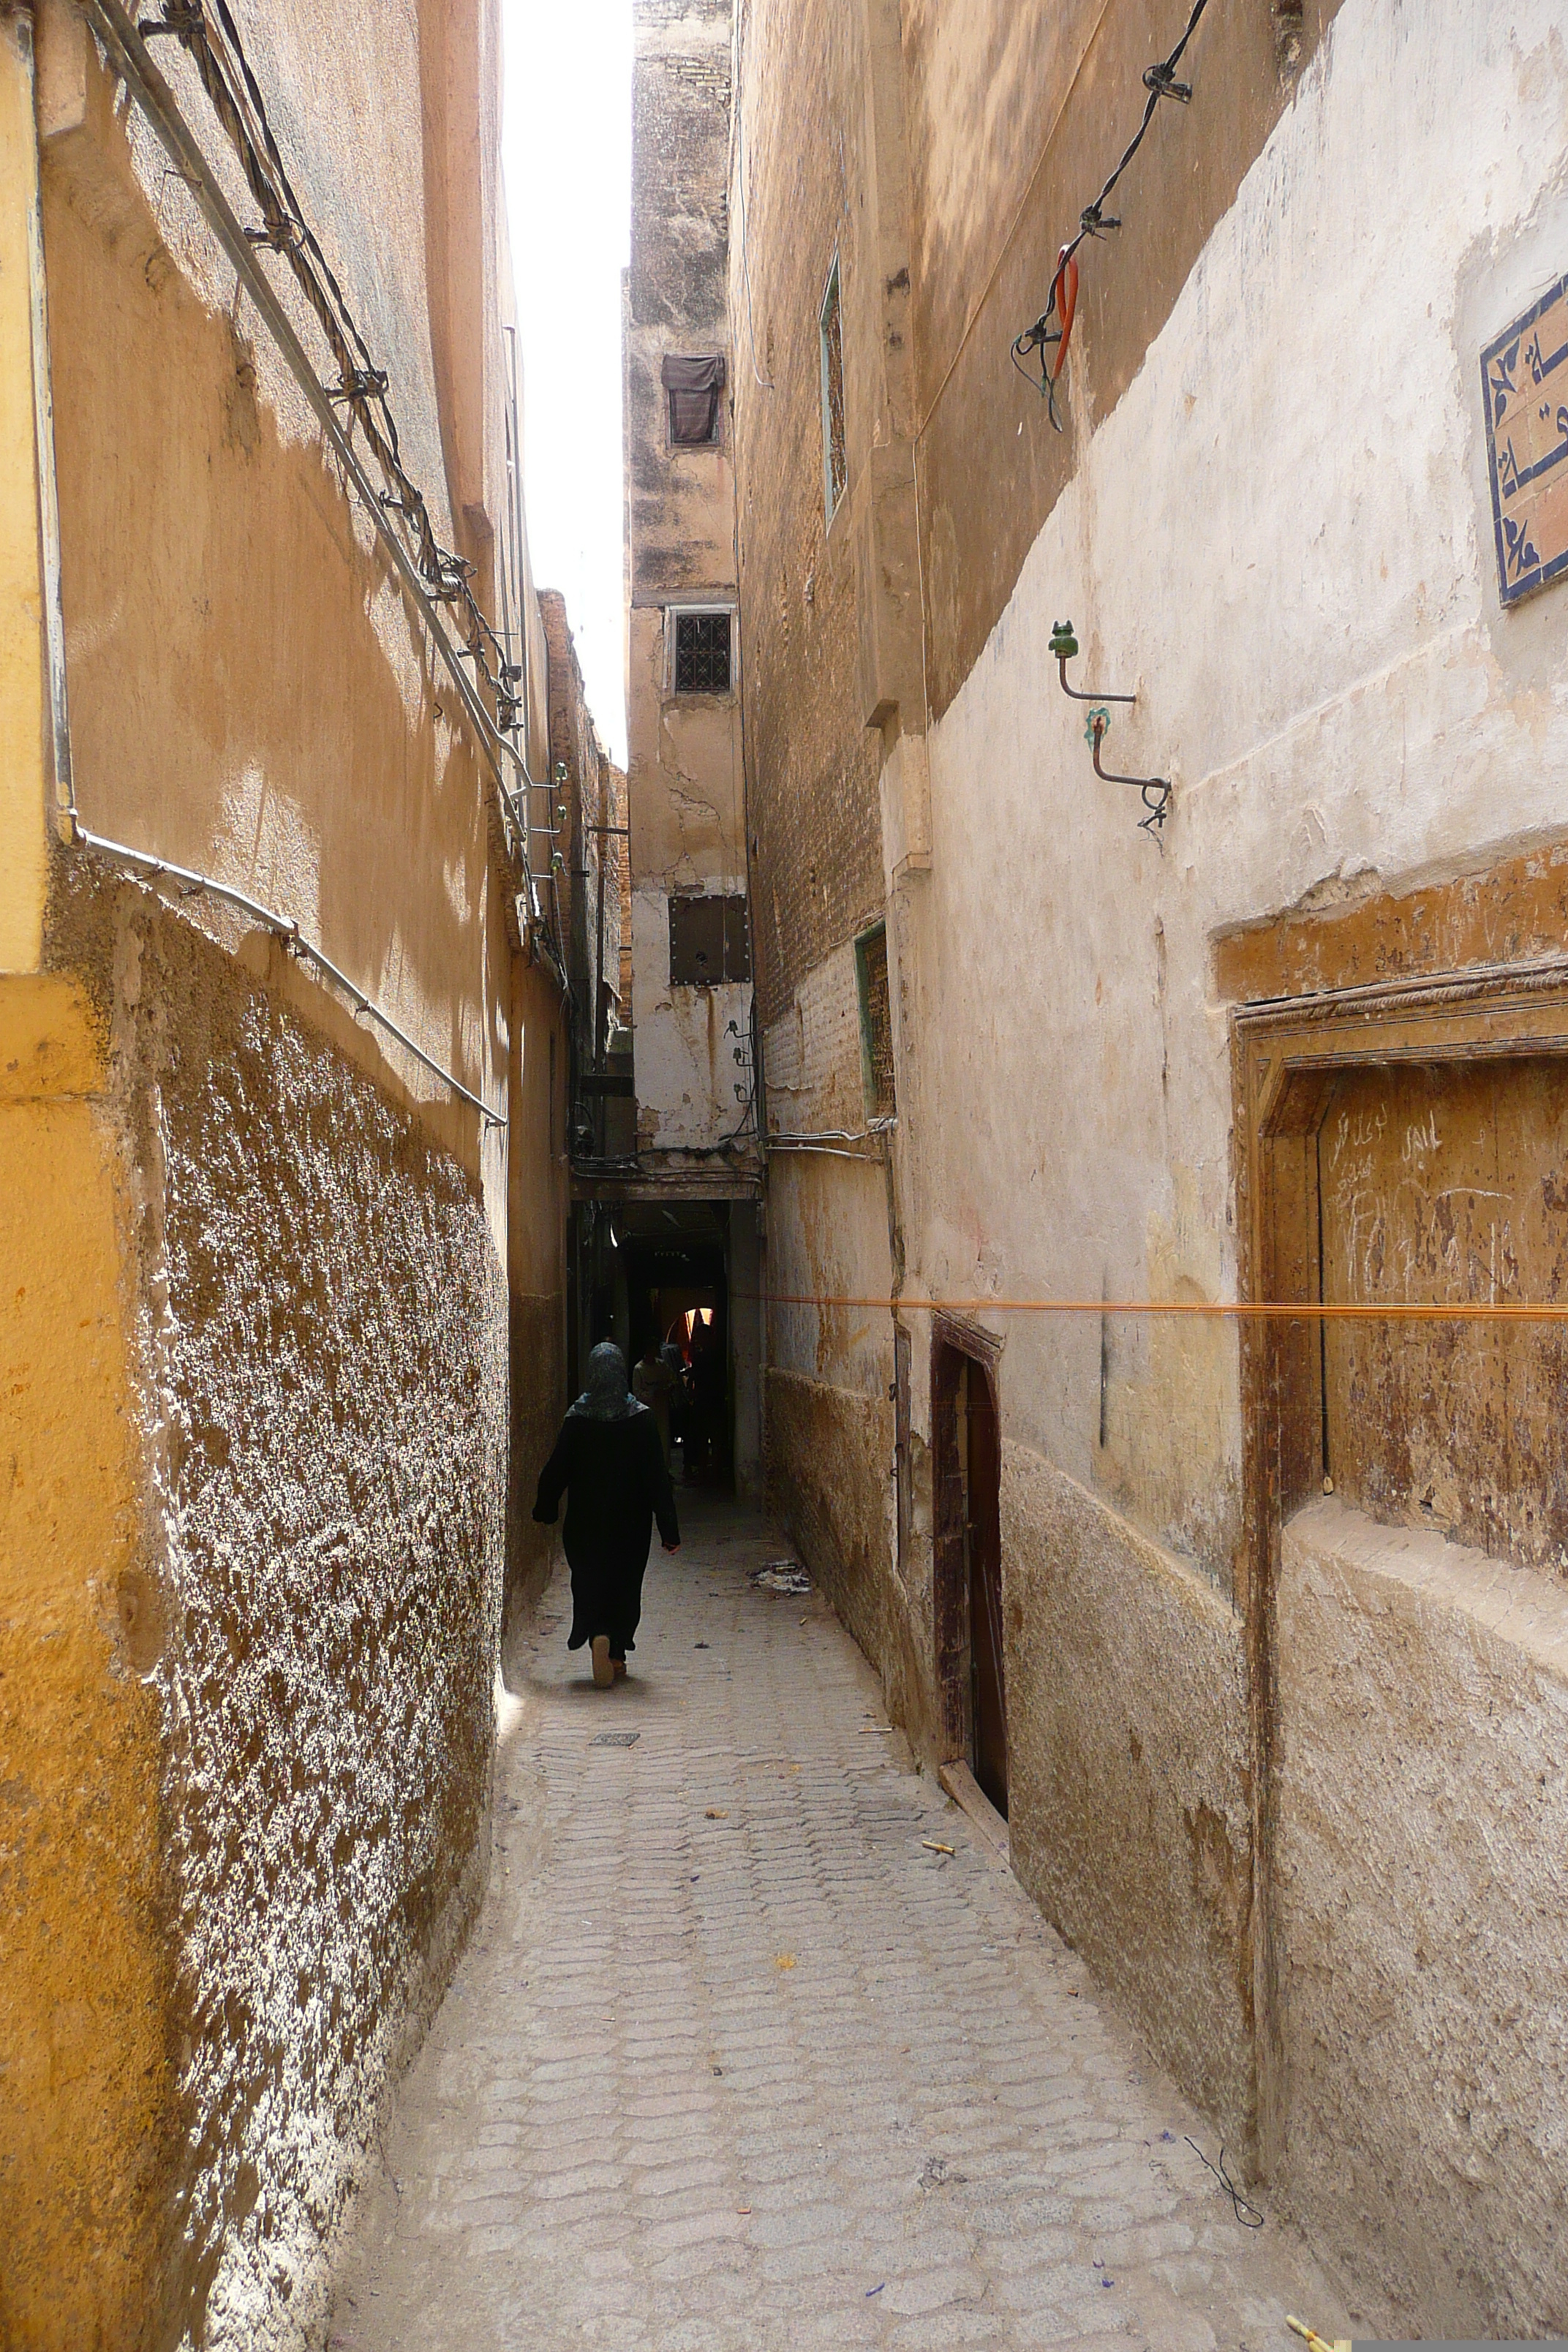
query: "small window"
692, 389
702, 653
876, 1023
834, 465
708, 942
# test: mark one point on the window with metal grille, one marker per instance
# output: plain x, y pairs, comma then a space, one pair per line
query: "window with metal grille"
876, 1023
835, 463
708, 942
702, 653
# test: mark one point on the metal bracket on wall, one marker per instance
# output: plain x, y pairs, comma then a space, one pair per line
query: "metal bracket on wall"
1155, 789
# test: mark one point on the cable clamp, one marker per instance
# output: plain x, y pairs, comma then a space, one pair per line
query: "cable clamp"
282, 235
1161, 80
184, 18
359, 383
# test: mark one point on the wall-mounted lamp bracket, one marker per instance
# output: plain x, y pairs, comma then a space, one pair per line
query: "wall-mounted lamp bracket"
1159, 807
1097, 726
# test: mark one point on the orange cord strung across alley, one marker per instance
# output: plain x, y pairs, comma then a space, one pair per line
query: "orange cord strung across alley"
1295, 1310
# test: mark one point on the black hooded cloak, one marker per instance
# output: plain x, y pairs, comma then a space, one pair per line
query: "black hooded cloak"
610, 1465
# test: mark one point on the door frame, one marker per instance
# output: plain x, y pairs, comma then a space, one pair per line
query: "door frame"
1287, 1056
955, 1342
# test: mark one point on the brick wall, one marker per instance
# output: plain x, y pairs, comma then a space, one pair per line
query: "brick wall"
812, 765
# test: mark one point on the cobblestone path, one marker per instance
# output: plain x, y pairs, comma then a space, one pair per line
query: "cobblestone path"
740, 2060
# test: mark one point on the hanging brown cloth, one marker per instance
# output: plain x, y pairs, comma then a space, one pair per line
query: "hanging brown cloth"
693, 387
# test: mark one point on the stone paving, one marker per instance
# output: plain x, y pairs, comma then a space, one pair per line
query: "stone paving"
739, 2059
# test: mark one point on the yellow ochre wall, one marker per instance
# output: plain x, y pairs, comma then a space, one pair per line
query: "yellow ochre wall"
254, 1259
85, 2087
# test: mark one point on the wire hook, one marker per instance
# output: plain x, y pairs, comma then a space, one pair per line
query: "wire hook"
1097, 726
1159, 808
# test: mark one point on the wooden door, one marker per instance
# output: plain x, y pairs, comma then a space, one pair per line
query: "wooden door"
982, 1530
1445, 1186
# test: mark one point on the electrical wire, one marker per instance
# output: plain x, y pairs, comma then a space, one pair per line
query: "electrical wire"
1094, 221
398, 513
1247, 2212
132, 60
1286, 1310
285, 928
218, 53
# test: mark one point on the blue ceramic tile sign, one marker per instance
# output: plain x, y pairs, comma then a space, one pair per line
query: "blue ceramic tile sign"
1524, 381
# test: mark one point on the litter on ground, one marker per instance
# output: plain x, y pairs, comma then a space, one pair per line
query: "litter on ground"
782, 1576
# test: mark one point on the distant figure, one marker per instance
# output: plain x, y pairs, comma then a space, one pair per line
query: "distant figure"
669, 1355
705, 1422
609, 1463
653, 1383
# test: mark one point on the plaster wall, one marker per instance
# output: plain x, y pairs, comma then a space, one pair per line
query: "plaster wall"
1015, 117
686, 1068
827, 1242
330, 1466
250, 694
258, 1256
680, 502
816, 177
828, 1454
1126, 1731
89, 2136
828, 1419
1423, 1809
1312, 623
684, 777
1382, 716
827, 1207
1309, 617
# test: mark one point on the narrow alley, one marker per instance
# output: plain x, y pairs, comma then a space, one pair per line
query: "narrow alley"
756, 2045
809, 757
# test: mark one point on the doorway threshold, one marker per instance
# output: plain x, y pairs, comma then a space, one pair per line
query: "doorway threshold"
973, 1801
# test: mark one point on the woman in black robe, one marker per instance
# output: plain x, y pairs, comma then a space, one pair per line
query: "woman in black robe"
610, 1465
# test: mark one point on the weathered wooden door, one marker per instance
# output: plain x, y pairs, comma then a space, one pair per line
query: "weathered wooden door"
983, 1530
1445, 1186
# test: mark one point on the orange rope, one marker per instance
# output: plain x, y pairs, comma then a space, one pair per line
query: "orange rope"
1299, 1311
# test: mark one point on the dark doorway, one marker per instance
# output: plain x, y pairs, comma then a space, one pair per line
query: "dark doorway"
971, 1663
676, 1272
987, 1668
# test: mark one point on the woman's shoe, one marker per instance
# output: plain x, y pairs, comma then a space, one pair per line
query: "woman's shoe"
620, 1666
603, 1668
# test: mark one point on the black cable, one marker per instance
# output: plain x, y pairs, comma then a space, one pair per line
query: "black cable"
236, 99
1160, 81
1242, 2206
